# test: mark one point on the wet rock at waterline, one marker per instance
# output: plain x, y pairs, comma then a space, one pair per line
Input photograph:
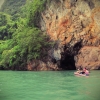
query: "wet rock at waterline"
88, 57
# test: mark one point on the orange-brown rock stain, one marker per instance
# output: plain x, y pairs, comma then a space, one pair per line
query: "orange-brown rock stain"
75, 26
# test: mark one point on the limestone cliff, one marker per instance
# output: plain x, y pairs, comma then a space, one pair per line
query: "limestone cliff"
74, 25
1, 2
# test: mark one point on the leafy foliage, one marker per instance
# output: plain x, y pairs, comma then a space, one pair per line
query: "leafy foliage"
7, 26
36, 6
21, 40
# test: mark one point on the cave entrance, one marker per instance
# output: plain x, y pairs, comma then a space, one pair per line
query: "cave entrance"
67, 57
67, 62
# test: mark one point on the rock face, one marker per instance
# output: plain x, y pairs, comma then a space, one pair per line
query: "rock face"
1, 2
88, 57
42, 66
76, 25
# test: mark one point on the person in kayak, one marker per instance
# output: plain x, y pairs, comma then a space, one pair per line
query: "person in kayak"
87, 72
83, 71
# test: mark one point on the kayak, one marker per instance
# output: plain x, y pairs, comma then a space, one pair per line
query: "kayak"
76, 73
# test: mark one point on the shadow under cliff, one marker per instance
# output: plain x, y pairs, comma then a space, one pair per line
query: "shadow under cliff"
67, 61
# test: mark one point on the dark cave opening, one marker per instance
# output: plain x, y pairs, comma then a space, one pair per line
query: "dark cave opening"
67, 61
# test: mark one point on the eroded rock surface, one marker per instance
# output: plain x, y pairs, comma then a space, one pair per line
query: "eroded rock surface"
88, 57
42, 66
72, 22
75, 24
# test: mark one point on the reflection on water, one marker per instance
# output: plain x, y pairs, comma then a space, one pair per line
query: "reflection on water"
50, 85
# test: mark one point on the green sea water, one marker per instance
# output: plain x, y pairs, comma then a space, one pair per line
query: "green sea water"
48, 85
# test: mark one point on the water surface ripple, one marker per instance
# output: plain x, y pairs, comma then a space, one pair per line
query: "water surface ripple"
48, 85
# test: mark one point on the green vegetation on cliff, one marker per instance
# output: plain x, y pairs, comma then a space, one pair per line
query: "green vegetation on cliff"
13, 7
21, 40
7, 26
